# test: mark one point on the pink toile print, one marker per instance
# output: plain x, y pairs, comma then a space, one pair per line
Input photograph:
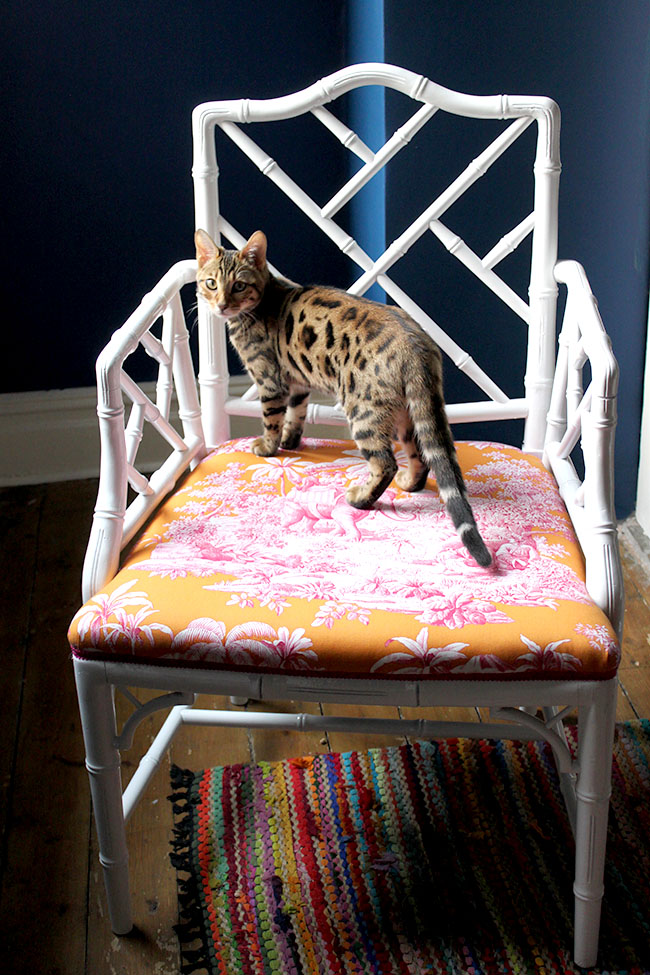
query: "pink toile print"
281, 529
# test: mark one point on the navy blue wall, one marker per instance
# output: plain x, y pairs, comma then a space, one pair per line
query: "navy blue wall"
592, 58
97, 155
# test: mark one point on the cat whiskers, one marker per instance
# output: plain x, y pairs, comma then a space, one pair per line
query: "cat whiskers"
192, 314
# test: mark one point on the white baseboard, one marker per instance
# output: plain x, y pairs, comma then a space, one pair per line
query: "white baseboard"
52, 435
48, 435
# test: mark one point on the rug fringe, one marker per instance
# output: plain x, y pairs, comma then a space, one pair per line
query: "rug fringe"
191, 927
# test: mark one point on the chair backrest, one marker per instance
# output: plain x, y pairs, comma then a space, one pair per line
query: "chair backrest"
512, 115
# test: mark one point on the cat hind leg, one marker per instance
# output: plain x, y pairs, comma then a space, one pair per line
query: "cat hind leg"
414, 478
377, 449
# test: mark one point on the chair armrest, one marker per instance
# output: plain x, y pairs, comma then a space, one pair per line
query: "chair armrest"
586, 419
114, 524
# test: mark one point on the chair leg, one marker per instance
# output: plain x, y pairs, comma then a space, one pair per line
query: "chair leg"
239, 702
103, 763
596, 719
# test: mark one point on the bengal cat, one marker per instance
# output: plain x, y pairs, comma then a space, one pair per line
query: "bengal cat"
385, 371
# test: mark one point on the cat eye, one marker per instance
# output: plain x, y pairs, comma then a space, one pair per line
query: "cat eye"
211, 284
238, 287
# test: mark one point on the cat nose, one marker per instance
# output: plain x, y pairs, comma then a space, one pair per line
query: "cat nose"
222, 305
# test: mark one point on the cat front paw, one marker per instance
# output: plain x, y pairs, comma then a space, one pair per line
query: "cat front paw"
263, 448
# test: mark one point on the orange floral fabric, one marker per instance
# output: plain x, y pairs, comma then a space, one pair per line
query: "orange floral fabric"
259, 563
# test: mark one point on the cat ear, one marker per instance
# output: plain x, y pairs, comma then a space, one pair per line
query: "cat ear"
206, 248
254, 251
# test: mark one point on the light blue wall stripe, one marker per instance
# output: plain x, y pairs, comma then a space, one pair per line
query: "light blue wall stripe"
368, 119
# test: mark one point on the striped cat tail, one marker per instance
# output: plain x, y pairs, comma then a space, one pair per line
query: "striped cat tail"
436, 444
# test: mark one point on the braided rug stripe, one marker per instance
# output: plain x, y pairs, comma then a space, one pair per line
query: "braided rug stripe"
452, 857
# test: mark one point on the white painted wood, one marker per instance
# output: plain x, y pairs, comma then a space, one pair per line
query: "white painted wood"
103, 763
477, 168
596, 720
509, 242
324, 413
345, 135
400, 138
592, 419
643, 488
150, 761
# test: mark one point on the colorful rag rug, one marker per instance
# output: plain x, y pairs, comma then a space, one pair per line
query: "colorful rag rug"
425, 858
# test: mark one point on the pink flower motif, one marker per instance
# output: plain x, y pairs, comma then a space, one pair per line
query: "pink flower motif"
358, 613
546, 658
206, 639
290, 651
422, 659
520, 594
240, 599
278, 606
93, 619
251, 581
600, 638
332, 611
241, 445
412, 589
133, 628
456, 610
515, 556
482, 663
199, 639
250, 644
328, 614
275, 469
315, 588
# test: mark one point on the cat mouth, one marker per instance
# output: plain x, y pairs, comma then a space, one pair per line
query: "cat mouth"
225, 313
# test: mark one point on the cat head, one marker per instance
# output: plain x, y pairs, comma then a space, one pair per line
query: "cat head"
231, 281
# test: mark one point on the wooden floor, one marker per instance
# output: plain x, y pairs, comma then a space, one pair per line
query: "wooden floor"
52, 902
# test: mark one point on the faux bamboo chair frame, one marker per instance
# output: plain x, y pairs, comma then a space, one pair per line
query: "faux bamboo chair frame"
559, 415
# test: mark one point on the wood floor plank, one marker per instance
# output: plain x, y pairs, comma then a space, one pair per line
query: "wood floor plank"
441, 714
635, 682
345, 741
636, 570
20, 513
636, 633
636, 627
270, 745
47, 844
625, 709
198, 747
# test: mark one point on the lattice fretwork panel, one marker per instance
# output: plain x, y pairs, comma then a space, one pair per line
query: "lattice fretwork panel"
430, 220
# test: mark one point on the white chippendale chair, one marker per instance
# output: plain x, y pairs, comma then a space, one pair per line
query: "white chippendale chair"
252, 578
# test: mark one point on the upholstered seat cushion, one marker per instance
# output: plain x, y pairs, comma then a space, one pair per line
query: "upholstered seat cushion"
261, 564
